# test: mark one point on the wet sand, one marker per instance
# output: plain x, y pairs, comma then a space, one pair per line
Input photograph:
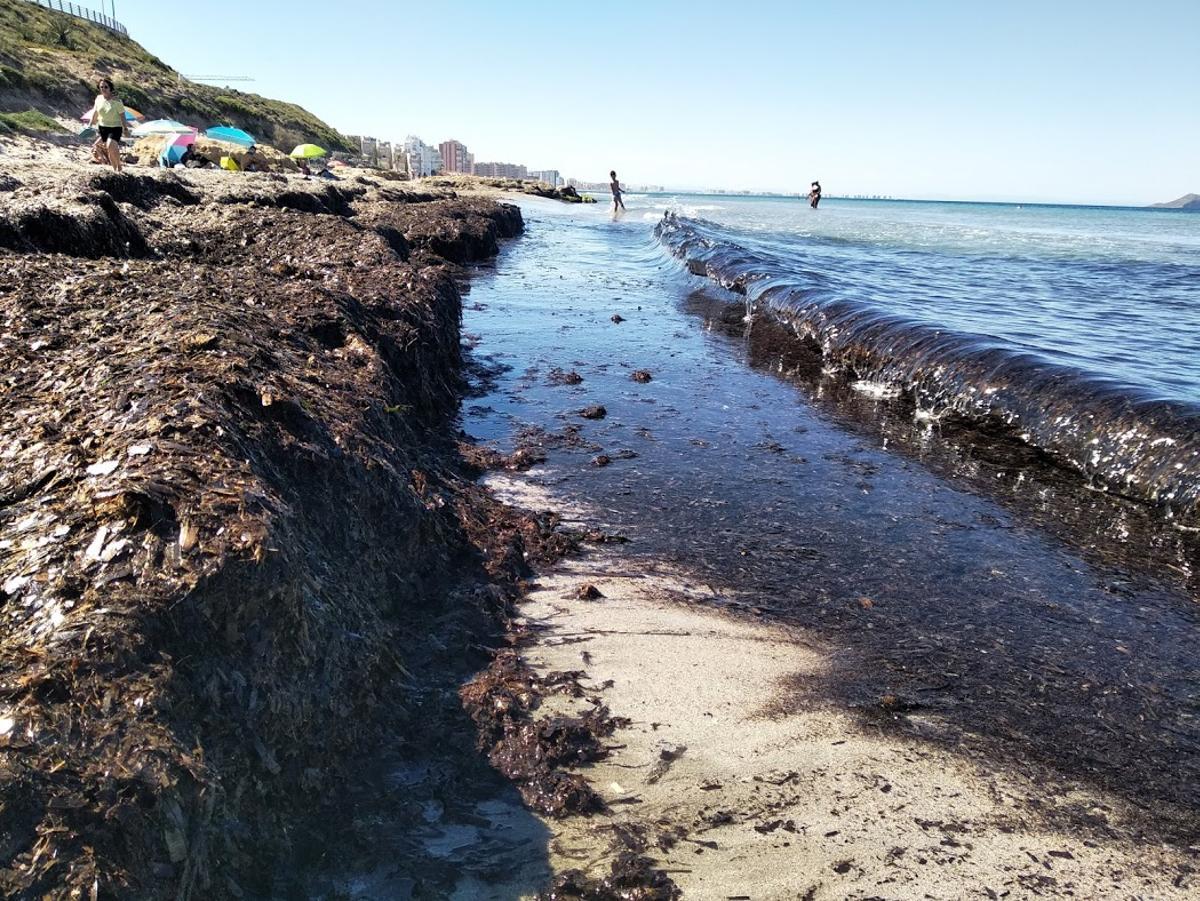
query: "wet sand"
738, 791
1019, 691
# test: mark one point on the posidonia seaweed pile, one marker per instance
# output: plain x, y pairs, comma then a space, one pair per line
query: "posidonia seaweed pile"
228, 486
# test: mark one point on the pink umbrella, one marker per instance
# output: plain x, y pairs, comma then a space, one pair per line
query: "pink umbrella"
176, 147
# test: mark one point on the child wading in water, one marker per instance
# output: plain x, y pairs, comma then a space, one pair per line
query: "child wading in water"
108, 114
618, 203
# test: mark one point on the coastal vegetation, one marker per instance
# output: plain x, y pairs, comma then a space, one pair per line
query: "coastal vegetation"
30, 121
49, 62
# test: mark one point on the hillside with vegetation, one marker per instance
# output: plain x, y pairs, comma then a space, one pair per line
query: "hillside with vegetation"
50, 61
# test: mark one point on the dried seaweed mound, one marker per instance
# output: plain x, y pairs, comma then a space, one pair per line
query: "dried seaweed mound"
465, 230
142, 189
534, 752
89, 224
225, 491
631, 878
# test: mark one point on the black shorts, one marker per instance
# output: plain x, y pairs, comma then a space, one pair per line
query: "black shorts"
111, 134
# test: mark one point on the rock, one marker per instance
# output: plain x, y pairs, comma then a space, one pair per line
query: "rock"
617, 318
559, 377
641, 376
596, 411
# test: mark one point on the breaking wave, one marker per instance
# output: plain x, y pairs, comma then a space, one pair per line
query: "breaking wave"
1123, 438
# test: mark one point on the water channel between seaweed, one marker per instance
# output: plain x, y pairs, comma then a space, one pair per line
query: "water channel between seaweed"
951, 615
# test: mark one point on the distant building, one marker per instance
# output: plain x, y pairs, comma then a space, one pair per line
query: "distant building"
370, 150
501, 170
422, 159
604, 186
455, 157
549, 176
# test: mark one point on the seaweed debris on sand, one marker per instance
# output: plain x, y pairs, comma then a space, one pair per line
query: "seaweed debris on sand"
229, 486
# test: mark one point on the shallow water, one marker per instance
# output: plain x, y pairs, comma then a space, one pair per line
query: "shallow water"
1033, 622
1131, 439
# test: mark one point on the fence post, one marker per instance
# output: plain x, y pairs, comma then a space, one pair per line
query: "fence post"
83, 12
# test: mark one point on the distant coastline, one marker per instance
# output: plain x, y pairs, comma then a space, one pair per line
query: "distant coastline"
1188, 202
780, 195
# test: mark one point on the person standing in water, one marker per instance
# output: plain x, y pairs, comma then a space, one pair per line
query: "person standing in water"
618, 203
814, 195
108, 114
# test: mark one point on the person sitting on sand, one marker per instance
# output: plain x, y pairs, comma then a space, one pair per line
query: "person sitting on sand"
814, 195
252, 162
108, 115
618, 203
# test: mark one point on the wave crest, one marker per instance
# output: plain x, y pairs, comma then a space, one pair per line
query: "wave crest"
1121, 437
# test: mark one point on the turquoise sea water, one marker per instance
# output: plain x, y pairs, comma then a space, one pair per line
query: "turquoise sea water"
1110, 291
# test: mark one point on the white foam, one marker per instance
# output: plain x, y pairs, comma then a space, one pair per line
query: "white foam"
877, 390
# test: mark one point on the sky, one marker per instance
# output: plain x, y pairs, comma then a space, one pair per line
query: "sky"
1051, 101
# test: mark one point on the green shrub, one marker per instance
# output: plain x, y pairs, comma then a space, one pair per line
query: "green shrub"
29, 121
11, 78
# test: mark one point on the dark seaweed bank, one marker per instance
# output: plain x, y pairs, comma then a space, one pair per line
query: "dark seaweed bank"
231, 500
1120, 438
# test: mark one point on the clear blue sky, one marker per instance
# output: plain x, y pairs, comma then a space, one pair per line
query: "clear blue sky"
1054, 100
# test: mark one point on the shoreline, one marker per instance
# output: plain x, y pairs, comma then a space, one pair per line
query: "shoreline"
736, 787
1129, 440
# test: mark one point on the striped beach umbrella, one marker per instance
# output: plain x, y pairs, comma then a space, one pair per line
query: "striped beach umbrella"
161, 127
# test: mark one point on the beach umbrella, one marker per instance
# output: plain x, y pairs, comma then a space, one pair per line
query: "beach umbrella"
175, 148
307, 152
161, 127
232, 135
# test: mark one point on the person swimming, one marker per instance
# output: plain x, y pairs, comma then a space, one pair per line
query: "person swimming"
618, 203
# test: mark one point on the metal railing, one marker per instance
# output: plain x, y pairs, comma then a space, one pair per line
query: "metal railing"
82, 12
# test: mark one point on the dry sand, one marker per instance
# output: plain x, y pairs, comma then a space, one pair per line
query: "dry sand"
777, 796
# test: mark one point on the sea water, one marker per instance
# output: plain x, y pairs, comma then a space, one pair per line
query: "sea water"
1078, 328
1113, 291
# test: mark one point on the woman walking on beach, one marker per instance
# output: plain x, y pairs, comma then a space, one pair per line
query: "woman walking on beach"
618, 203
108, 114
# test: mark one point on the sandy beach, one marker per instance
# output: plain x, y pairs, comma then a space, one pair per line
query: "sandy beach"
741, 787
